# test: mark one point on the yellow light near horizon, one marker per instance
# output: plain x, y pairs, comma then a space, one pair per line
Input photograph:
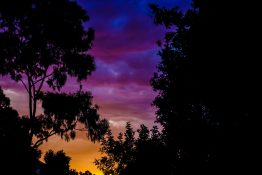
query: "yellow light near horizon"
82, 152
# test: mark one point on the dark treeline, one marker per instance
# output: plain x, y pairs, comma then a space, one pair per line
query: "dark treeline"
205, 100
205, 103
127, 154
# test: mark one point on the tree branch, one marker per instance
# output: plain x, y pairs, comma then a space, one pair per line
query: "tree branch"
42, 82
31, 117
81, 129
24, 85
43, 78
40, 141
34, 100
30, 95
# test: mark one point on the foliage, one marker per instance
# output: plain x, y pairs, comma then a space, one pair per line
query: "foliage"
59, 163
129, 155
85, 173
118, 152
200, 70
189, 127
44, 42
63, 111
14, 141
41, 36
56, 163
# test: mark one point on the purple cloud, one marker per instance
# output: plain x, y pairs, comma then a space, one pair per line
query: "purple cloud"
125, 52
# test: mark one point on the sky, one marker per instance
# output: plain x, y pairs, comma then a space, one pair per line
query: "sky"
125, 52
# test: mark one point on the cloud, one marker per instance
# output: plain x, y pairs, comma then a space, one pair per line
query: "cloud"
126, 57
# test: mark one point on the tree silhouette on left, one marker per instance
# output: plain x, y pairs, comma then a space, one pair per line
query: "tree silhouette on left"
15, 143
44, 42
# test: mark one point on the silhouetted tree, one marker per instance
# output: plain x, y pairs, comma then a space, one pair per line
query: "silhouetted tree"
119, 153
56, 163
149, 155
199, 81
73, 172
86, 173
44, 41
15, 143
180, 112
133, 156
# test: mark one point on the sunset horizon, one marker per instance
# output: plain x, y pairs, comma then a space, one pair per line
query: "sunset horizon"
125, 53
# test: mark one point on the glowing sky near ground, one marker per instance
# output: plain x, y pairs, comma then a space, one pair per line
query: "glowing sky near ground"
125, 53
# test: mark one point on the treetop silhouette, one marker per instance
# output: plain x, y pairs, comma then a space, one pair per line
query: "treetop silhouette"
204, 100
127, 155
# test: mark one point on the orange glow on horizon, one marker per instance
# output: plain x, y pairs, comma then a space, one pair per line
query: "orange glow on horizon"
82, 152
